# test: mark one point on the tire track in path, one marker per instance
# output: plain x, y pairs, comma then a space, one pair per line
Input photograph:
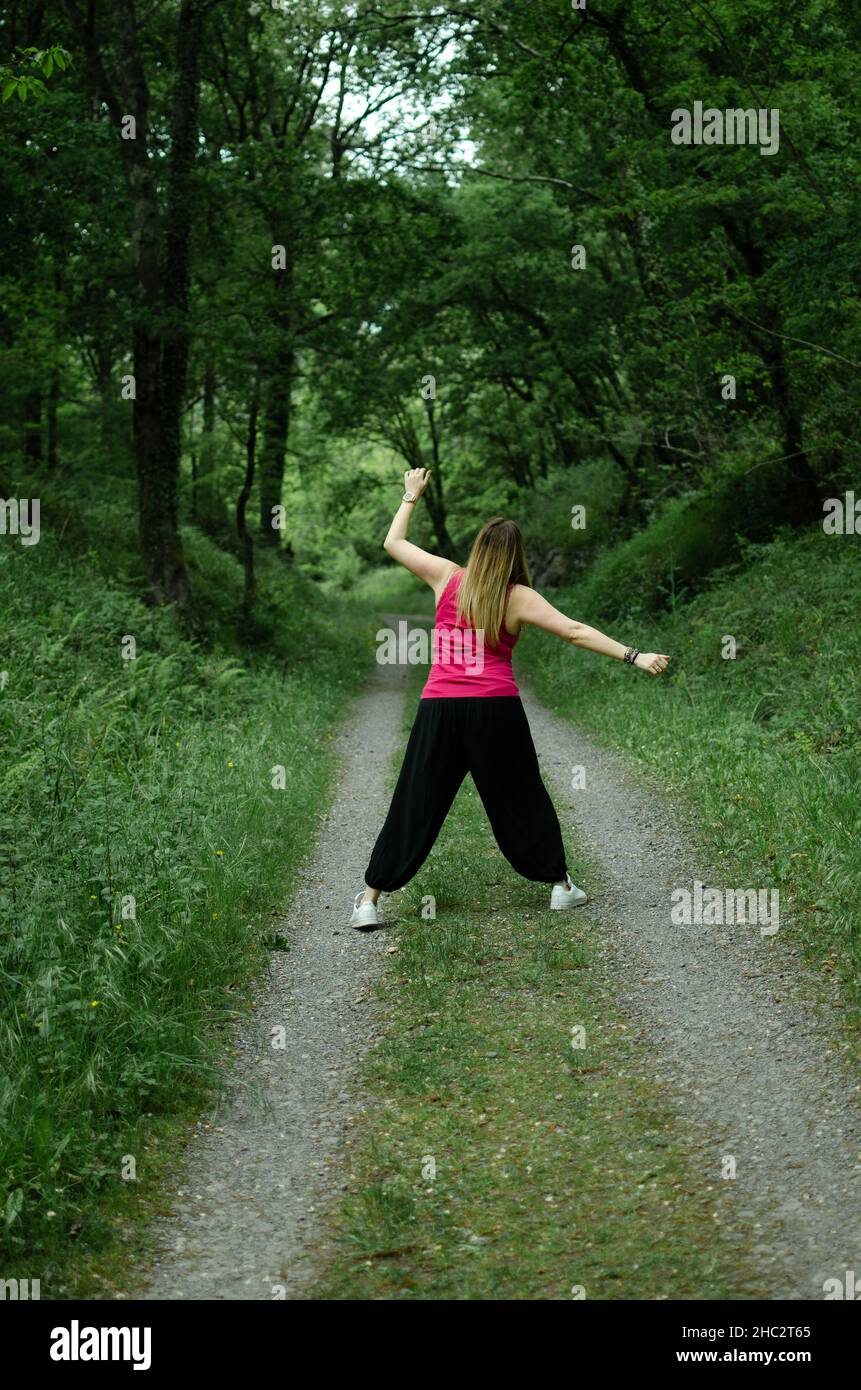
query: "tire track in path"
753, 1064
245, 1216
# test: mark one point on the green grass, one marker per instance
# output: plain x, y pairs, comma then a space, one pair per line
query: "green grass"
393, 588
497, 1161
764, 748
142, 848
687, 539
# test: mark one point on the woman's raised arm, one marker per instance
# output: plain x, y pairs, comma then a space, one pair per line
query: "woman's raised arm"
433, 569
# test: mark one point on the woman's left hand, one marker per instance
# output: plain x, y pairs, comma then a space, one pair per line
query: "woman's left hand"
416, 480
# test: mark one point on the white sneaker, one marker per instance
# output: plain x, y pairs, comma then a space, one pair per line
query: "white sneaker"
561, 898
365, 914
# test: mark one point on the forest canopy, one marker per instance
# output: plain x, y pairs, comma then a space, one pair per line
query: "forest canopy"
261, 256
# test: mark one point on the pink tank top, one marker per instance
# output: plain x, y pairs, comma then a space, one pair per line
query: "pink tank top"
462, 662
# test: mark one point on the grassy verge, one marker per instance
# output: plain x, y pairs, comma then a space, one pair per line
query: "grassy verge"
764, 747
147, 832
393, 588
499, 1161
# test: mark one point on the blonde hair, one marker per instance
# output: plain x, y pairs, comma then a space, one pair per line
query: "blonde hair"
497, 559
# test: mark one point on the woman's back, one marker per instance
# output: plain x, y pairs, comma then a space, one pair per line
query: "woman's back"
463, 664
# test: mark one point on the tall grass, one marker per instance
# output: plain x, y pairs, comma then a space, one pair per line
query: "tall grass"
765, 746
143, 840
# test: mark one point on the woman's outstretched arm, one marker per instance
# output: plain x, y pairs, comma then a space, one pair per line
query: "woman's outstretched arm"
433, 569
527, 606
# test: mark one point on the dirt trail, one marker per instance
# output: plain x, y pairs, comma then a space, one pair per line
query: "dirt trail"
723, 1008
753, 1069
257, 1174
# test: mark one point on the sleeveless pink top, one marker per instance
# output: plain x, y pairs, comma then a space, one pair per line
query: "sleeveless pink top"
462, 662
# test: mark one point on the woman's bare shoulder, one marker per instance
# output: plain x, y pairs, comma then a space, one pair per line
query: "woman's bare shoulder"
519, 595
444, 580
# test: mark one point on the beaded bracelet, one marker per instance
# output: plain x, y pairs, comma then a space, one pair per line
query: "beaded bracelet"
631, 654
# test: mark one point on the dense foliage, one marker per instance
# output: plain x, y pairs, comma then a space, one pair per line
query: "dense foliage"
336, 233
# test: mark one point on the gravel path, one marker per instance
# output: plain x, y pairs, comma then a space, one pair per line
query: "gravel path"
755, 1071
242, 1222
753, 1067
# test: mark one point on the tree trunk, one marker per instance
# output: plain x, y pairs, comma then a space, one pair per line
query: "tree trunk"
435, 502
435, 494
176, 271
161, 335
107, 397
800, 502
164, 562
245, 540
161, 545
276, 422
52, 408
205, 491
276, 431
33, 428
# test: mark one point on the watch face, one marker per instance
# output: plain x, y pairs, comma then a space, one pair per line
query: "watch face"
409, 497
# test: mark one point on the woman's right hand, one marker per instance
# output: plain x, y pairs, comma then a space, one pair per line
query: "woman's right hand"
653, 662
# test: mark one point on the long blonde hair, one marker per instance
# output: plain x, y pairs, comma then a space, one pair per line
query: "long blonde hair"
497, 559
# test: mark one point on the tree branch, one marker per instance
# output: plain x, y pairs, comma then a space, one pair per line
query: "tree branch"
802, 342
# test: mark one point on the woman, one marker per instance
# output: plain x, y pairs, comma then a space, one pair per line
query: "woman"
470, 718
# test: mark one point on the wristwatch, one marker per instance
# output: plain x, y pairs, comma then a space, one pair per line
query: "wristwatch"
409, 497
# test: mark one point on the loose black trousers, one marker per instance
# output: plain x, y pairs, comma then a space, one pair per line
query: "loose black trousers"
489, 737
